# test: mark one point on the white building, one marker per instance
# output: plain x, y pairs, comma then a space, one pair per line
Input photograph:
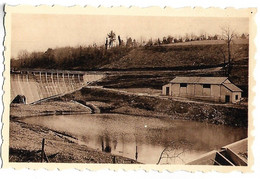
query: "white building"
218, 89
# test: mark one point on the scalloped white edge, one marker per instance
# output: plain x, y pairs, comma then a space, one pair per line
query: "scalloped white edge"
131, 11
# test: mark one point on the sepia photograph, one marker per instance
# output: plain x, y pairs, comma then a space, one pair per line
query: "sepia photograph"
128, 89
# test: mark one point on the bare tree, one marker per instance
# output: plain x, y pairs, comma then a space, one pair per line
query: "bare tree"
159, 42
129, 42
174, 150
228, 35
23, 57
112, 37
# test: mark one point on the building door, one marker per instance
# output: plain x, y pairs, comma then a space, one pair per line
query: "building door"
167, 91
227, 99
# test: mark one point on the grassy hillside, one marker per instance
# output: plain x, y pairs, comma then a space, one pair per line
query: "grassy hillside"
175, 56
188, 55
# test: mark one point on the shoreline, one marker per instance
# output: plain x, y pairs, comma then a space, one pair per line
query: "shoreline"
59, 147
116, 101
25, 139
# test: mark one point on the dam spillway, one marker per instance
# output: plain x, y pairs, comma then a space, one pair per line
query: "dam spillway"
37, 85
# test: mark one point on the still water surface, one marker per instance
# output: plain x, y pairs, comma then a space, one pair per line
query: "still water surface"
126, 134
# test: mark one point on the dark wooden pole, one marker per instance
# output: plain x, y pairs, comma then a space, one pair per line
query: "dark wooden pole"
136, 153
42, 154
46, 158
102, 145
114, 159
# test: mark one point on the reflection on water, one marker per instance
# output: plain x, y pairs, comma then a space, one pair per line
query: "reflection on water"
143, 138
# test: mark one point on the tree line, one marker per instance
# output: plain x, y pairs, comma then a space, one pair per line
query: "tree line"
114, 47
81, 57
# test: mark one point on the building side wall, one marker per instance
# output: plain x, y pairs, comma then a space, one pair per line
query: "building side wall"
224, 91
198, 90
190, 90
234, 100
164, 89
206, 91
183, 91
214, 93
175, 89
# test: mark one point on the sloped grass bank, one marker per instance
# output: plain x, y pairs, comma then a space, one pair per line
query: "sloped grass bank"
117, 102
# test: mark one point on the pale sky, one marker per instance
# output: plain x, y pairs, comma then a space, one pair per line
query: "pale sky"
37, 32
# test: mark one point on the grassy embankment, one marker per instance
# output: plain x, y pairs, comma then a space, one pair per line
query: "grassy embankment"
116, 102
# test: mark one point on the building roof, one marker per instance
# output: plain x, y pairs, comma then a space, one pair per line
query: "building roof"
232, 87
199, 80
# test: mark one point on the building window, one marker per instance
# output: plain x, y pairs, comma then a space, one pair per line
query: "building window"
206, 86
183, 85
236, 97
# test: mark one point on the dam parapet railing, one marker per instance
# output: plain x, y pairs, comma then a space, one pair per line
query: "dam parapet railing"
36, 85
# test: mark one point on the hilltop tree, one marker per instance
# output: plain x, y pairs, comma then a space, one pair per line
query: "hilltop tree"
119, 40
187, 37
169, 39
112, 37
215, 37
159, 42
243, 36
164, 40
134, 43
129, 42
49, 56
149, 43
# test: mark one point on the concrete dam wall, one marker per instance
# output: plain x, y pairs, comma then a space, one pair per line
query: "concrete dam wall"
40, 85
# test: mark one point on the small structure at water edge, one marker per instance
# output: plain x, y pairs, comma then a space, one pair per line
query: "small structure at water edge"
19, 99
218, 89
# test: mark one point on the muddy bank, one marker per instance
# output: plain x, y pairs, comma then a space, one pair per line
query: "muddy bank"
116, 102
47, 108
26, 140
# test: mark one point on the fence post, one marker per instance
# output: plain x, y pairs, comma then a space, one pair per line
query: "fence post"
42, 153
136, 153
102, 145
114, 159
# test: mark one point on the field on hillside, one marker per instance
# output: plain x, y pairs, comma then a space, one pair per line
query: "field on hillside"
210, 42
155, 79
150, 78
152, 67
187, 55
176, 56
